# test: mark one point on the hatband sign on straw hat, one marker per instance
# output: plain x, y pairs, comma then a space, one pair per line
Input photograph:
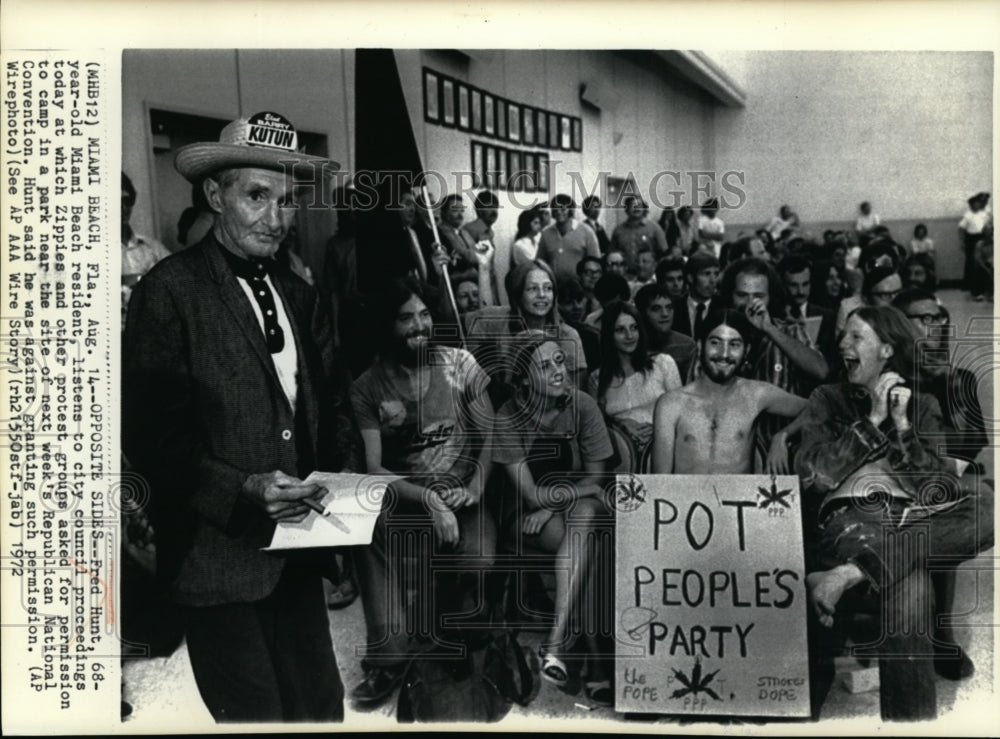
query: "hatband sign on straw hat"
265, 140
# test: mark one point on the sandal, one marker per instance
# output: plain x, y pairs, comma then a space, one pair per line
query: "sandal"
599, 692
553, 669
342, 596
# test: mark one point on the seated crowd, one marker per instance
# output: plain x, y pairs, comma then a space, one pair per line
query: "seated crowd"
663, 348
666, 349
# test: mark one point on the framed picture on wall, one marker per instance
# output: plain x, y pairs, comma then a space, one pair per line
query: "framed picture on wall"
565, 133
528, 125
553, 131
543, 173
448, 102
541, 128
432, 111
514, 122
577, 134
463, 106
501, 119
501, 180
516, 181
489, 113
476, 103
491, 167
528, 171
478, 164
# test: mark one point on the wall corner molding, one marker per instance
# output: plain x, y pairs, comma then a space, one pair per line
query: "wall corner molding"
702, 70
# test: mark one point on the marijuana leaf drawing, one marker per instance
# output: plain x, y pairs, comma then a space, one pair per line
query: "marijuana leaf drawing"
630, 494
696, 683
773, 495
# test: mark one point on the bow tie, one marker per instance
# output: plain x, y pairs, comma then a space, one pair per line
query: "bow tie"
252, 268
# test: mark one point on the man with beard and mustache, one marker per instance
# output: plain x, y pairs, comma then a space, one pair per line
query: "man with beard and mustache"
424, 414
706, 426
783, 353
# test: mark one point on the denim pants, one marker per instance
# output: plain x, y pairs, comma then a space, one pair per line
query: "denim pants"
897, 553
414, 588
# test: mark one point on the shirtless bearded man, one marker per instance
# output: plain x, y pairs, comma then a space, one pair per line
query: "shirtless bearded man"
706, 427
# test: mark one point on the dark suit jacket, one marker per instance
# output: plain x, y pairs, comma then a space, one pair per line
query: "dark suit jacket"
204, 409
387, 253
603, 242
682, 321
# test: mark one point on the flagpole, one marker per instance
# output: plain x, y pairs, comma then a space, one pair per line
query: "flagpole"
444, 267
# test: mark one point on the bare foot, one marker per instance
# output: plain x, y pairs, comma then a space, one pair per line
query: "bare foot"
825, 589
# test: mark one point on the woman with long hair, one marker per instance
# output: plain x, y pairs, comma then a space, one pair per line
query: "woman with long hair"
870, 456
553, 446
830, 284
668, 222
687, 230
629, 380
494, 332
525, 244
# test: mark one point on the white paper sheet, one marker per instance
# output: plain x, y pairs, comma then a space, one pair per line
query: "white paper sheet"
354, 500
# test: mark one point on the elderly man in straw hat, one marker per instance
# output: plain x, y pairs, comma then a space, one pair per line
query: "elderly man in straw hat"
231, 399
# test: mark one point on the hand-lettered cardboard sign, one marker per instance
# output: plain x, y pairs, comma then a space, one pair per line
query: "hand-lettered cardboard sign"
711, 605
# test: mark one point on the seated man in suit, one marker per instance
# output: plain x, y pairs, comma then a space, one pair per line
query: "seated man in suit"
796, 276
232, 397
701, 272
592, 211
783, 352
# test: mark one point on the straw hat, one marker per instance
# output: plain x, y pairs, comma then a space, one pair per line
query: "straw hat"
265, 140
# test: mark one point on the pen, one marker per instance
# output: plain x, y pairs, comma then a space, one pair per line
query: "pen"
332, 518
338, 522
316, 506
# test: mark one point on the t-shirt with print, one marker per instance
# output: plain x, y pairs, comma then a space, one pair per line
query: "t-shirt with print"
518, 436
429, 435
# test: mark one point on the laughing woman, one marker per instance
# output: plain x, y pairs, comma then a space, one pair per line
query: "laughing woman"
554, 447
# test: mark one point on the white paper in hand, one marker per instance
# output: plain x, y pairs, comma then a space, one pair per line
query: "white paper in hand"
352, 502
